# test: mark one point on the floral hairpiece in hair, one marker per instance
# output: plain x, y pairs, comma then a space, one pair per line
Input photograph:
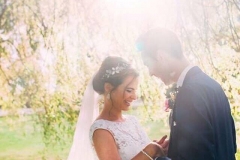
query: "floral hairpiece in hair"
115, 70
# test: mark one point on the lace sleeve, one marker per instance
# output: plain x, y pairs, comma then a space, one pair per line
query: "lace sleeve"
99, 124
129, 136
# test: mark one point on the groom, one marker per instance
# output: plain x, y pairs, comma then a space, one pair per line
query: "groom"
202, 127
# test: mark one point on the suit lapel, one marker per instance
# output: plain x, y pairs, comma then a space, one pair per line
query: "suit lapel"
191, 73
173, 136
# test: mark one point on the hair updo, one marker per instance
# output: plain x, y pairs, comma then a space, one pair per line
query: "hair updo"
113, 70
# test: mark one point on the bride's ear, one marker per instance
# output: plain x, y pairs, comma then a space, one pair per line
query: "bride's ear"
107, 87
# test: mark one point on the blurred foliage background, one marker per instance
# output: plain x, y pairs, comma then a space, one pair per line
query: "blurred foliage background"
50, 49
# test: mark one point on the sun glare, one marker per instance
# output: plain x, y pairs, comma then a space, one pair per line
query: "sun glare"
151, 12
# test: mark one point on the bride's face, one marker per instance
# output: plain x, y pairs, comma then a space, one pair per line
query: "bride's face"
125, 93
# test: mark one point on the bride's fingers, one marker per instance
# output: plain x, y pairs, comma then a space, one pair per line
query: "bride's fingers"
162, 151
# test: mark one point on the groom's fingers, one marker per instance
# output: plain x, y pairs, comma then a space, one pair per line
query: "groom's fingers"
165, 144
162, 139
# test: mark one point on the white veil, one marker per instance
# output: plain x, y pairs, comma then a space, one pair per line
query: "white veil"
81, 146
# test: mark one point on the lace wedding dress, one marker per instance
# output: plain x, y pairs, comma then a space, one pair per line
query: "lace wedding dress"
129, 136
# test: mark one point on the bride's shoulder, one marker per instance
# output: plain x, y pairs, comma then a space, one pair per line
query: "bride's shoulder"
99, 123
130, 117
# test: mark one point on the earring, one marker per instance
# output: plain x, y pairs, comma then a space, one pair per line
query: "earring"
108, 96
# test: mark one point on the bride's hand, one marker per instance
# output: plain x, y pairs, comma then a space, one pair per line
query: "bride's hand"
164, 143
156, 149
151, 151
159, 150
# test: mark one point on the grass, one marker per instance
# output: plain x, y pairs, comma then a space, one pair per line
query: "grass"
15, 142
21, 139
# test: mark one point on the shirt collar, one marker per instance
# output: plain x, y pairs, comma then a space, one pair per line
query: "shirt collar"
183, 75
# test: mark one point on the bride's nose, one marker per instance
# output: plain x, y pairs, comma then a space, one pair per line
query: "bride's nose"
134, 96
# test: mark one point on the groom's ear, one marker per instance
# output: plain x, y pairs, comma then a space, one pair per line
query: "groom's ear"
160, 55
108, 87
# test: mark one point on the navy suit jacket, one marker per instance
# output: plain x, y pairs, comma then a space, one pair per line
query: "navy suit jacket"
202, 126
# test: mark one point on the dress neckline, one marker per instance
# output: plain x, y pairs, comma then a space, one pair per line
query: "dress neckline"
125, 117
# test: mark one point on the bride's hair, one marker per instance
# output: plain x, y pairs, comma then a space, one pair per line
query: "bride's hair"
113, 70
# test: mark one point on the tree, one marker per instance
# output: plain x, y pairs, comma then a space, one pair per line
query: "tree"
50, 49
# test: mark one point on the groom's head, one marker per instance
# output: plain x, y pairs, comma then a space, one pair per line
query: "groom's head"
161, 39
160, 50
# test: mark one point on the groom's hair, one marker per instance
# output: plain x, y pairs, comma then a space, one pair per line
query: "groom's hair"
159, 39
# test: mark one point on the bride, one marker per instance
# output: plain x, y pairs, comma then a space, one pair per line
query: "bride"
111, 135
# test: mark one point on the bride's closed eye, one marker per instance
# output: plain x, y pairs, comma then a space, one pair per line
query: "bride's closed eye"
129, 90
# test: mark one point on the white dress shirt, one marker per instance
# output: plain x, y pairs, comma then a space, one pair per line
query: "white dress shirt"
183, 75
